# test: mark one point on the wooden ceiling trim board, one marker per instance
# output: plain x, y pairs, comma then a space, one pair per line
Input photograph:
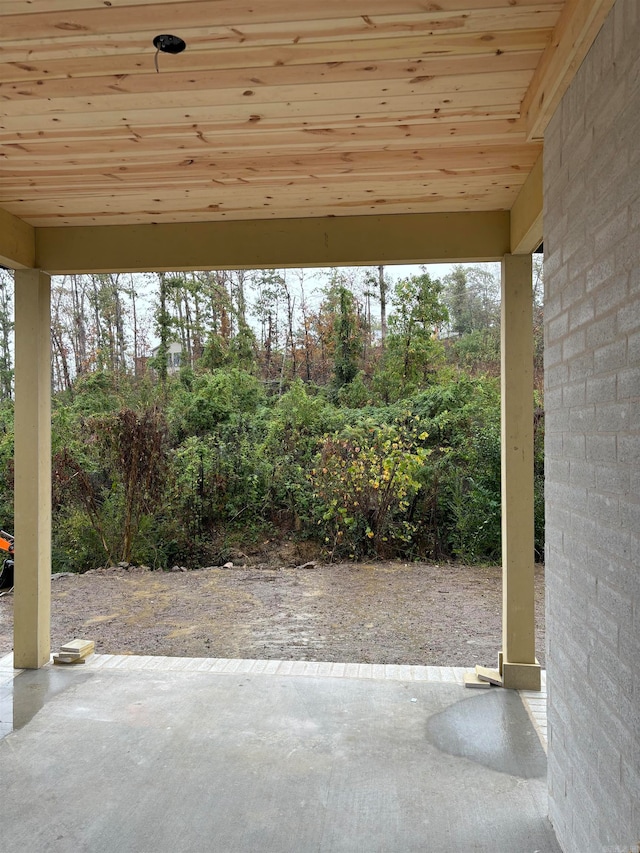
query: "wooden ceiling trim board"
326, 198
329, 201
350, 108
291, 83
226, 198
212, 141
233, 195
579, 23
323, 125
220, 203
214, 138
447, 159
136, 58
37, 62
272, 9
59, 78
17, 242
21, 102
526, 213
289, 20
50, 188
263, 243
121, 150
499, 200
344, 212
310, 161
351, 46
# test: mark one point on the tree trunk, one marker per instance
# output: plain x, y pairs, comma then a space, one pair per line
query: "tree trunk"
6, 329
79, 331
383, 304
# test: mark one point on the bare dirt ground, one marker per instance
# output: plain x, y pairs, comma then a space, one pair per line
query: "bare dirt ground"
386, 612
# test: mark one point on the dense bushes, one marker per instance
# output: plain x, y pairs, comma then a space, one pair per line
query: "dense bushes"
389, 447
226, 464
365, 479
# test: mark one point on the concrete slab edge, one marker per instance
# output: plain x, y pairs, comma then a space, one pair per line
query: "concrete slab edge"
313, 669
535, 703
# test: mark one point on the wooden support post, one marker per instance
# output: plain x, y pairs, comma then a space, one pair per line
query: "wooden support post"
518, 665
32, 527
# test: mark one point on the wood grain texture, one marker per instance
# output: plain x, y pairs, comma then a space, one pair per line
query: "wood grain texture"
572, 37
276, 109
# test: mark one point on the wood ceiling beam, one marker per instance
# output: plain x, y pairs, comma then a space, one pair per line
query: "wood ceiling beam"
526, 213
17, 242
259, 244
577, 27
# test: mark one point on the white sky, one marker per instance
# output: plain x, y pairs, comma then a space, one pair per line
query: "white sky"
435, 270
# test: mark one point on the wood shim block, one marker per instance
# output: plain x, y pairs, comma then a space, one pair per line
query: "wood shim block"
490, 675
472, 680
80, 648
67, 660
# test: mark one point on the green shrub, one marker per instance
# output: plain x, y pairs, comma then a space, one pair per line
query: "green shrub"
76, 545
364, 480
297, 424
212, 400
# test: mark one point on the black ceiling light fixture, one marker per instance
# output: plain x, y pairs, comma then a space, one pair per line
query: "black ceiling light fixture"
167, 44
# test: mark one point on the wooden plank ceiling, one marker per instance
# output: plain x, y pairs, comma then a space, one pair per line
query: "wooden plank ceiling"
276, 109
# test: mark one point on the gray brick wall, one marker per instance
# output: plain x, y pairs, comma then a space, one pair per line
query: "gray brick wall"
592, 343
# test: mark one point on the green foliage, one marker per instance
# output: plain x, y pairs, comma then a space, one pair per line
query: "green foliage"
164, 326
212, 400
125, 486
243, 348
6, 464
364, 480
412, 351
461, 498
348, 346
479, 351
474, 499
77, 546
472, 295
6, 335
356, 393
218, 479
388, 449
238, 353
133, 446
297, 424
457, 300
95, 393
216, 353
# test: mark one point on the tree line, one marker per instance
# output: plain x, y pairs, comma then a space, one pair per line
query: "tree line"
338, 406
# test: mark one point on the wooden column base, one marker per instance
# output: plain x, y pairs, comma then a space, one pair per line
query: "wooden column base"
521, 676
513, 676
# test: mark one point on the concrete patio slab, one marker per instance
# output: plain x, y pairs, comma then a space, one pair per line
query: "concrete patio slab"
185, 755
